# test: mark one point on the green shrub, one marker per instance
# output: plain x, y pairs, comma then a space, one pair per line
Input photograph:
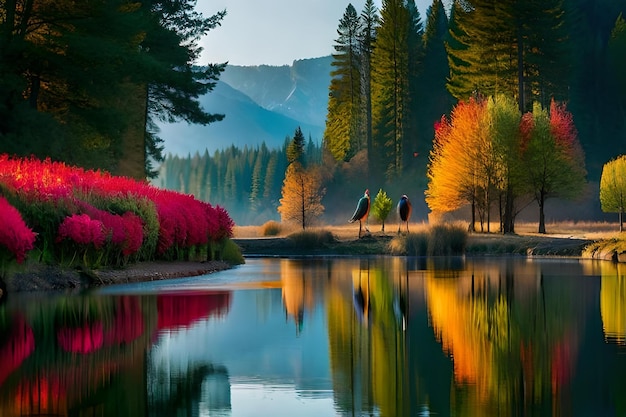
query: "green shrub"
231, 253
271, 228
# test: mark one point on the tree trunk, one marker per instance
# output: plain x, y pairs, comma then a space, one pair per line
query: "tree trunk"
542, 216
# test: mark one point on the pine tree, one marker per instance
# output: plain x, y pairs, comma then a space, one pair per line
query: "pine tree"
381, 207
390, 78
369, 22
295, 149
343, 131
434, 98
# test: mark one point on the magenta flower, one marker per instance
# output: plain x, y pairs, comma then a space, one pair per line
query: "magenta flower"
14, 234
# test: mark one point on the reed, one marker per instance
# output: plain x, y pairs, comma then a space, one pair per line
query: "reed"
310, 239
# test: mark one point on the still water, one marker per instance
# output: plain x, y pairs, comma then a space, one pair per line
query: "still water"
388, 336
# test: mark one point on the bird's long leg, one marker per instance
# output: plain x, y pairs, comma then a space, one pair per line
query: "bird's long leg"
359, 229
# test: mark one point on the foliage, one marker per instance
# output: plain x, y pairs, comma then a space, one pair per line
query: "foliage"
61, 100
344, 123
295, 150
488, 147
15, 236
302, 195
512, 49
554, 161
55, 200
381, 207
613, 187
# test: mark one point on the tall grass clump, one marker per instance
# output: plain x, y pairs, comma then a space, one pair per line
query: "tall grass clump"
311, 239
411, 244
271, 228
438, 240
446, 239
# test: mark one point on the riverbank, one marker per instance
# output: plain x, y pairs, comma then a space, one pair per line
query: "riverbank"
49, 278
34, 278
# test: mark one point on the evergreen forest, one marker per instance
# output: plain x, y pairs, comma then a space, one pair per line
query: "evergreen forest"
395, 74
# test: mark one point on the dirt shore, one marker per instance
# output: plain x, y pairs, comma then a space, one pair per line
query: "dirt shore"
51, 278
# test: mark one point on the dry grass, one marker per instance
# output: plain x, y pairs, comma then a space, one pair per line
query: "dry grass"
579, 230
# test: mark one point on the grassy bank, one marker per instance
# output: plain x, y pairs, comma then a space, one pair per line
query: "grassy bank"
565, 239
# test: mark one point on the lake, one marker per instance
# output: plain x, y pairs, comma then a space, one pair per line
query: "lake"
377, 336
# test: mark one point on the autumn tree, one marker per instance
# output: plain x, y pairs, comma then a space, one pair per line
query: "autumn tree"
613, 188
507, 180
302, 193
553, 158
381, 207
455, 175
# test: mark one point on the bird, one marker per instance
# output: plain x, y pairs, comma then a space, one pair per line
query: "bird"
362, 211
404, 211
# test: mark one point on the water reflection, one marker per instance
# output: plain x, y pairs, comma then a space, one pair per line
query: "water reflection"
386, 336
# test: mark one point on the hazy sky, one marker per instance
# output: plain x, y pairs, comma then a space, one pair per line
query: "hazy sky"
276, 32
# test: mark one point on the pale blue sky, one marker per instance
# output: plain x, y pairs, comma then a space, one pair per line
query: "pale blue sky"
276, 32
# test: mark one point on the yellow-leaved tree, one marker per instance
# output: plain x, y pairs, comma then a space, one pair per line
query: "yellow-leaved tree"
302, 193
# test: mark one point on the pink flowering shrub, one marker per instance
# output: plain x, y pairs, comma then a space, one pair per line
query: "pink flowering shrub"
119, 216
83, 230
14, 234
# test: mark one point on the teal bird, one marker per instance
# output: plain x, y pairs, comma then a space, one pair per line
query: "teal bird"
362, 211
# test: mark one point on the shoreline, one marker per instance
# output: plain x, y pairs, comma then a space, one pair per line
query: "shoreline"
41, 278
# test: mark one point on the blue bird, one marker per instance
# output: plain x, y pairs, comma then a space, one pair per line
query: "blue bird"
362, 211
404, 211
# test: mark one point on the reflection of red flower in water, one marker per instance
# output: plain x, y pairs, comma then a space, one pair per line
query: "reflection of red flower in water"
85, 339
563, 357
128, 323
181, 310
20, 343
42, 394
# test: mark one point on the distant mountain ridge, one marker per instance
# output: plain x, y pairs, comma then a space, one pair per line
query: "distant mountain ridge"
261, 104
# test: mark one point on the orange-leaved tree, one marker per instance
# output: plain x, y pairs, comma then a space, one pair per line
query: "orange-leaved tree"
456, 172
302, 194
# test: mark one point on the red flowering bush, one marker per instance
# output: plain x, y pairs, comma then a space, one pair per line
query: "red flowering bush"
14, 234
114, 214
83, 230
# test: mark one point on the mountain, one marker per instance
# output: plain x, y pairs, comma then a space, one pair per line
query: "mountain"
260, 104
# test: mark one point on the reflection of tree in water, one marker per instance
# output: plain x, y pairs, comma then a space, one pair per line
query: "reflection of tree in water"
513, 339
192, 392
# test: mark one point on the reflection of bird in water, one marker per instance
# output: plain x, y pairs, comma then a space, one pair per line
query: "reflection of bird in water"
404, 211
361, 305
362, 211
